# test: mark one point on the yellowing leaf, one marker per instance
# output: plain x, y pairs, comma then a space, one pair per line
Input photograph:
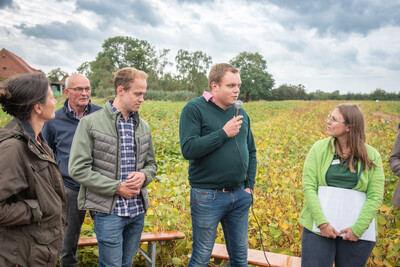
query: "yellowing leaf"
384, 208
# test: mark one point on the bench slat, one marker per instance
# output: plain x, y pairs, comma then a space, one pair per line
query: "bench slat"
146, 237
256, 257
161, 236
87, 241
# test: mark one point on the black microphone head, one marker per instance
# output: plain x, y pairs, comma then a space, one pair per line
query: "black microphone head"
239, 104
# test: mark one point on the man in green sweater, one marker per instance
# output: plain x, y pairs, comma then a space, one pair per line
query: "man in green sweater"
222, 166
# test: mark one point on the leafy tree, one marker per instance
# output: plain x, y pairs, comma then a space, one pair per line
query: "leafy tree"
84, 68
256, 81
349, 96
120, 52
318, 95
157, 76
379, 94
289, 92
124, 51
335, 95
100, 73
192, 69
56, 75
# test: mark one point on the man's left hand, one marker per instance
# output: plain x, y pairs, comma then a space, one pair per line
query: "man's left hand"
135, 180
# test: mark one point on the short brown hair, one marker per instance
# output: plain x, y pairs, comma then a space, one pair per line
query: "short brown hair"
218, 71
124, 77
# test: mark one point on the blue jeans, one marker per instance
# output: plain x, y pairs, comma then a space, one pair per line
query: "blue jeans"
75, 218
208, 208
118, 238
320, 251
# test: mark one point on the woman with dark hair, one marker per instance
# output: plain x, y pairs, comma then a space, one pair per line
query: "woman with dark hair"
32, 198
343, 164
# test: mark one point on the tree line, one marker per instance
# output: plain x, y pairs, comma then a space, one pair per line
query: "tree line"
298, 92
190, 76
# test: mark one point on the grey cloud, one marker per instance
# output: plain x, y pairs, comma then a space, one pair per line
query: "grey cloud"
379, 53
69, 31
394, 65
137, 11
350, 55
5, 32
341, 16
195, 1
384, 58
294, 46
6, 3
196, 15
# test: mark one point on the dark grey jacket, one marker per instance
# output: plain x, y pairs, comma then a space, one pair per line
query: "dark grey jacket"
394, 162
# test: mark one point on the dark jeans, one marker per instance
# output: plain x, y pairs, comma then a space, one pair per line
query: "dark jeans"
208, 208
75, 218
319, 251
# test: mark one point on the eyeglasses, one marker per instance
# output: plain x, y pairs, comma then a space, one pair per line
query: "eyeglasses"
80, 89
332, 119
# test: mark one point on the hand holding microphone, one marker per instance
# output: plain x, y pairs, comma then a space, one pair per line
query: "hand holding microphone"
232, 127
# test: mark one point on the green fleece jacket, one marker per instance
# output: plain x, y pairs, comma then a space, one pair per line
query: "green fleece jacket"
315, 167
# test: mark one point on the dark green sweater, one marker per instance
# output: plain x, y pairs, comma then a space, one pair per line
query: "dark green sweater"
214, 161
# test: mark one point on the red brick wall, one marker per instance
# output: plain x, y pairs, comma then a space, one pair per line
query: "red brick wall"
8, 66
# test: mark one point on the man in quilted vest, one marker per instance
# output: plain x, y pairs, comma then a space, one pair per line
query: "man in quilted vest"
112, 157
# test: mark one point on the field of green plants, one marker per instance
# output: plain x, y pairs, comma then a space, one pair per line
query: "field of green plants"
284, 133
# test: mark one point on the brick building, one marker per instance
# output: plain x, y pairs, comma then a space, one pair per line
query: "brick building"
11, 64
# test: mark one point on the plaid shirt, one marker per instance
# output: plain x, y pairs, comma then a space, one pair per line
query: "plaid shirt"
75, 114
133, 206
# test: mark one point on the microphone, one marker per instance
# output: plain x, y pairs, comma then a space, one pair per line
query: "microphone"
239, 105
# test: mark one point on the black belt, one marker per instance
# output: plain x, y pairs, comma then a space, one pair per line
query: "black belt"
227, 189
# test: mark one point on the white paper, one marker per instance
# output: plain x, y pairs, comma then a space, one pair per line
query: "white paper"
342, 207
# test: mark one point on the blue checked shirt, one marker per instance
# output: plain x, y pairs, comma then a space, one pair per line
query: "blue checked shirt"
75, 114
133, 206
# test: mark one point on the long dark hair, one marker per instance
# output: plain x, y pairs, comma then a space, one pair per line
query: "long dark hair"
22, 92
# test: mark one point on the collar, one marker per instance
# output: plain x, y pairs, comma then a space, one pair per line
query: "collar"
28, 129
116, 110
30, 133
74, 113
209, 97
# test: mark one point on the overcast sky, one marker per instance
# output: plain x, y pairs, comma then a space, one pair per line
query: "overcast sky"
328, 45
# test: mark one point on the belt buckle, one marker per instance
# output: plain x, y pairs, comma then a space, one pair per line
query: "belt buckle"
227, 189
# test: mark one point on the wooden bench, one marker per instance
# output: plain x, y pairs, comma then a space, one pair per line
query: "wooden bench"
149, 237
256, 257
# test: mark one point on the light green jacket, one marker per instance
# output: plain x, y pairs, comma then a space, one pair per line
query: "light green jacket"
95, 159
315, 167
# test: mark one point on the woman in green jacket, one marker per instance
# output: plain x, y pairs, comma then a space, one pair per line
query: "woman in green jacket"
342, 161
